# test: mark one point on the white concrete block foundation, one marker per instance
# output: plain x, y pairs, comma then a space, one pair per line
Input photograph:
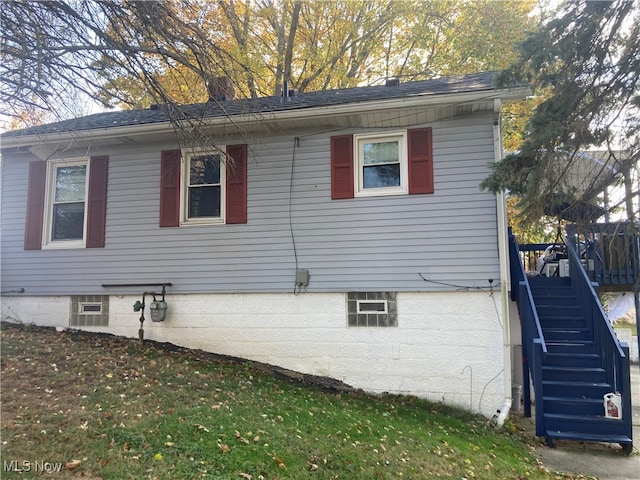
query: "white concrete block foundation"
447, 347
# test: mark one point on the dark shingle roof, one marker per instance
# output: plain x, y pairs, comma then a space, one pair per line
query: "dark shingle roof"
445, 85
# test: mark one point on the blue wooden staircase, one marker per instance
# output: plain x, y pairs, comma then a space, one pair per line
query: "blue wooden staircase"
574, 378
572, 357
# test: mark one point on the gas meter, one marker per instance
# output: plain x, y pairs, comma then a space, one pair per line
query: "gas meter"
158, 309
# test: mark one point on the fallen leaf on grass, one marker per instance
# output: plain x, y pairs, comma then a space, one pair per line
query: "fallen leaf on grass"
73, 464
202, 427
240, 438
279, 461
246, 476
223, 447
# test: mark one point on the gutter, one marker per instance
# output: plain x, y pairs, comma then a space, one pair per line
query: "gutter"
503, 255
424, 100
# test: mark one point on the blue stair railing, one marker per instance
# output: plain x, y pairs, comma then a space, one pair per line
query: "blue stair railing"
613, 353
534, 347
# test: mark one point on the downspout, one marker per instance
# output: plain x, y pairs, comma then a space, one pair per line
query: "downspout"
503, 254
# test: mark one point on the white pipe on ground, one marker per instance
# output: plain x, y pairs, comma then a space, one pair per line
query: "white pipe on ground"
503, 413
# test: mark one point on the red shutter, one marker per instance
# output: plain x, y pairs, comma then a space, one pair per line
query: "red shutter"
236, 184
420, 161
342, 167
97, 201
170, 188
35, 205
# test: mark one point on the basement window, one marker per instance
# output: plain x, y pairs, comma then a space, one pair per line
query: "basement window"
89, 311
372, 309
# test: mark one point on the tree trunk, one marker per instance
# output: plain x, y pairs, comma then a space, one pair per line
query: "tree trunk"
286, 78
628, 192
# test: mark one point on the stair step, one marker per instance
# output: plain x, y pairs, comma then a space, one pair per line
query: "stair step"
555, 299
572, 346
543, 294
563, 321
590, 437
584, 425
559, 310
558, 346
540, 281
575, 389
574, 374
567, 334
553, 289
565, 359
572, 405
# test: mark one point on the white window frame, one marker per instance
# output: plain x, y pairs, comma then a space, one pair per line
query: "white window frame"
361, 303
184, 188
358, 156
50, 191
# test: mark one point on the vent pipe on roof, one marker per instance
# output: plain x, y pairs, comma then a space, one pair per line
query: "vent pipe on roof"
287, 92
167, 108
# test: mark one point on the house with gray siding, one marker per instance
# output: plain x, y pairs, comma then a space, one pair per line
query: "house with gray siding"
339, 233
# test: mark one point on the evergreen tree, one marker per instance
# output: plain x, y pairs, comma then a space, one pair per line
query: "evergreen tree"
588, 58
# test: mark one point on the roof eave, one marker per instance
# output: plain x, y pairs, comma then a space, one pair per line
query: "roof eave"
425, 100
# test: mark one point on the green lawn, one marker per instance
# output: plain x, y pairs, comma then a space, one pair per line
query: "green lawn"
123, 410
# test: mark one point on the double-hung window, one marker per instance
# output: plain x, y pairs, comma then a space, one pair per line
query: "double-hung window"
381, 164
67, 203
203, 187
204, 196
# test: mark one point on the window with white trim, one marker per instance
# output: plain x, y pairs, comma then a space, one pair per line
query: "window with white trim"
381, 164
372, 309
371, 306
65, 208
384, 163
204, 188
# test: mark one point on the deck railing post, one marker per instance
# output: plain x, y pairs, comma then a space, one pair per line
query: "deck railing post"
526, 352
538, 393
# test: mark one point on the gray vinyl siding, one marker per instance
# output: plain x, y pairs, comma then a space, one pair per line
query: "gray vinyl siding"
378, 243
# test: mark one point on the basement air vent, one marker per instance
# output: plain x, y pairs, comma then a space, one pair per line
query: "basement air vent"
90, 308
